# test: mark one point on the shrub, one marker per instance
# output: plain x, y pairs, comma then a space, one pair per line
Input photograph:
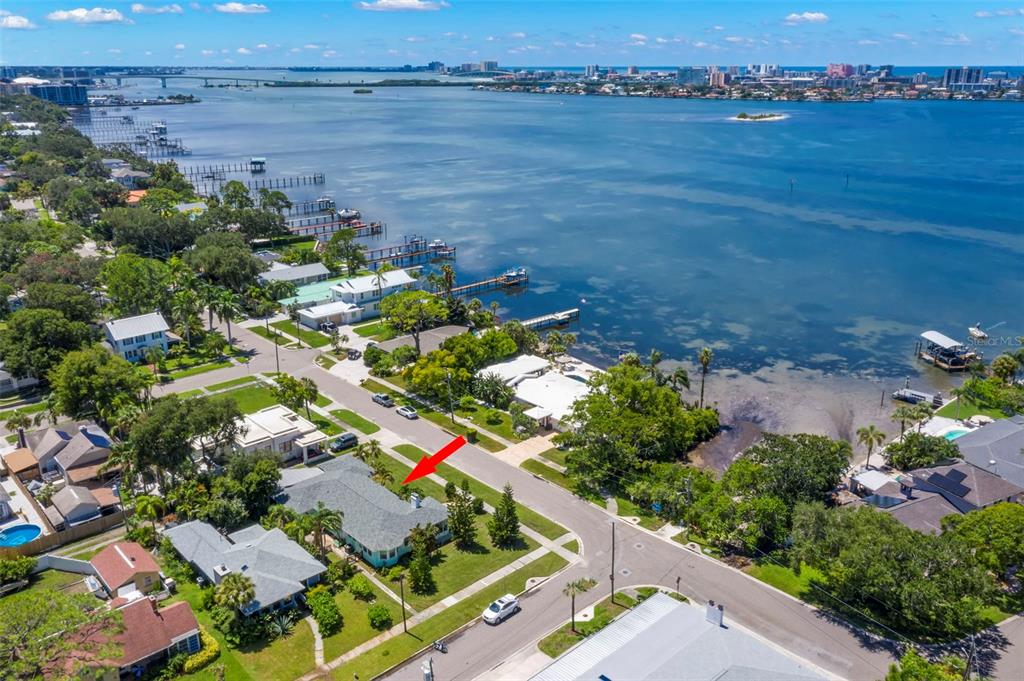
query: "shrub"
16, 569
478, 506
450, 490
205, 655
471, 435
206, 599
143, 534
360, 587
467, 403
338, 573
325, 610
380, 617
372, 355
394, 573
403, 355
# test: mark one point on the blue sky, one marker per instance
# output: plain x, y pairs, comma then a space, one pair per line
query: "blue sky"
521, 32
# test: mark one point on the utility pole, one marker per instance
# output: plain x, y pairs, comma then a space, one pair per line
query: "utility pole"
277, 355
401, 587
451, 406
611, 575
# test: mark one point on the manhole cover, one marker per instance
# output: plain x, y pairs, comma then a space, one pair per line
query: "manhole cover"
638, 546
625, 572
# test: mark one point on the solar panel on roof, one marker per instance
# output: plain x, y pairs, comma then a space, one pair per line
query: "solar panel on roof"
941, 481
956, 475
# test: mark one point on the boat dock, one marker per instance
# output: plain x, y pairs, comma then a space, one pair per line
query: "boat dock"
324, 204
510, 279
217, 171
213, 186
555, 319
415, 251
944, 353
324, 229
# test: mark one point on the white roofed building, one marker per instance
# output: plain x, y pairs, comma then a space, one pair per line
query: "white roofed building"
339, 312
279, 429
367, 291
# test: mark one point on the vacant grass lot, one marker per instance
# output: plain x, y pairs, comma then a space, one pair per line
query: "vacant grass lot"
784, 578
647, 517
252, 398
527, 516
394, 651
548, 473
233, 383
556, 455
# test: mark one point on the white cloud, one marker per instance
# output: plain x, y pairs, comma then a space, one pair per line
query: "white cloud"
262, 46
15, 23
806, 18
393, 52
81, 15
638, 36
867, 42
243, 50
415, 39
329, 53
900, 36
114, 50
491, 39
957, 39
208, 53
1007, 12
734, 39
981, 14
403, 5
180, 46
700, 44
311, 46
1017, 31
149, 53
586, 45
718, 28
241, 8
295, 49
518, 35
139, 8
195, 5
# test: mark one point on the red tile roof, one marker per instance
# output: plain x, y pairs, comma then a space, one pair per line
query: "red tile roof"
118, 564
148, 631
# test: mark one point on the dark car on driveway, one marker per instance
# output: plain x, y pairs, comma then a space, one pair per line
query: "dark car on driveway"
343, 442
354, 354
384, 400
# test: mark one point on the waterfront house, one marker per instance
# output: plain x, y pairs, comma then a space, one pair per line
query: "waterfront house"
300, 275
126, 570
128, 178
130, 337
338, 312
367, 291
377, 523
280, 569
998, 448
549, 392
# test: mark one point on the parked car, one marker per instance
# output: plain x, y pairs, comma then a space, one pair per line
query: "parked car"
344, 441
501, 609
384, 400
354, 354
407, 412
327, 327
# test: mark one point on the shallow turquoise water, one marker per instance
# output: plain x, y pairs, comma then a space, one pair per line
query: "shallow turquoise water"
678, 227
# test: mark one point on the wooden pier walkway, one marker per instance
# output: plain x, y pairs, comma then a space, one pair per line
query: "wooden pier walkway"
324, 204
414, 251
206, 188
510, 279
555, 319
173, 147
324, 229
220, 169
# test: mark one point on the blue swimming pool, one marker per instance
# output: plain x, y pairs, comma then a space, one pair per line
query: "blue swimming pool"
954, 434
19, 534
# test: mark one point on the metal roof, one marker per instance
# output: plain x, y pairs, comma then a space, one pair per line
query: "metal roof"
313, 269
941, 339
143, 324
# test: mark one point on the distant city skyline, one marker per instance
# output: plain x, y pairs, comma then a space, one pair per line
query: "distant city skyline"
526, 33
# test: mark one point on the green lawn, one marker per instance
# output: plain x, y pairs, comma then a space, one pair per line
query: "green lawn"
394, 651
399, 471
349, 417
968, 408
311, 338
233, 383
573, 546
555, 455
501, 426
33, 408
563, 638
252, 398
356, 627
378, 331
375, 386
325, 361
548, 473
55, 579
527, 516
647, 517
269, 335
323, 400
784, 579
201, 369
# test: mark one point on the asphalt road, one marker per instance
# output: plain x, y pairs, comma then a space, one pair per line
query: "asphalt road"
641, 559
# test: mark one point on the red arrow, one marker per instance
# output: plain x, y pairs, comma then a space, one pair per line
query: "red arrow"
428, 464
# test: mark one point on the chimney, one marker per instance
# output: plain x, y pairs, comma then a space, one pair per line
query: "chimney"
714, 614
414, 500
907, 486
83, 428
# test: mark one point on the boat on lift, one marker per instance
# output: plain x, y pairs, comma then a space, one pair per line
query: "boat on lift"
976, 332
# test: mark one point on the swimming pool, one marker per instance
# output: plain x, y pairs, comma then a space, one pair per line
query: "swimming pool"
19, 534
954, 434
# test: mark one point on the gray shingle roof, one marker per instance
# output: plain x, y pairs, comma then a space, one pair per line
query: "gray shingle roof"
68, 499
1000, 441
296, 272
277, 565
85, 447
374, 517
143, 324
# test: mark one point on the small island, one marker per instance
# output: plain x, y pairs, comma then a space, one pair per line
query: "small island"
362, 91
744, 116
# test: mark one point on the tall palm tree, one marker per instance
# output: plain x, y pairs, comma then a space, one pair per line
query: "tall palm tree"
207, 294
870, 437
235, 591
447, 279
153, 355
679, 379
185, 307
379, 276
381, 475
149, 507
572, 589
310, 393
278, 516
704, 356
227, 308
324, 521
922, 412
17, 422
368, 452
653, 360
901, 415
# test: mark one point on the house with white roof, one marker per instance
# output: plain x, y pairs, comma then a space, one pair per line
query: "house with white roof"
300, 275
549, 392
367, 291
281, 430
130, 337
338, 312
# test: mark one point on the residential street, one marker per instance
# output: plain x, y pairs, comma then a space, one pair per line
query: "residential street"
641, 557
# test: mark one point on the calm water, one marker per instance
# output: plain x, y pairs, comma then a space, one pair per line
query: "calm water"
677, 226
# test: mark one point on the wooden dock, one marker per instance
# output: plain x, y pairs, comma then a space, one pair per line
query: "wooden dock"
324, 229
218, 170
510, 279
555, 319
206, 188
415, 251
324, 204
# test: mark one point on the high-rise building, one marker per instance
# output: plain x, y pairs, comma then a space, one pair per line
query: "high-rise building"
734, 70
488, 66
436, 67
632, 71
592, 71
839, 70
920, 78
467, 68
962, 76
65, 94
885, 70
8, 73
716, 79
691, 75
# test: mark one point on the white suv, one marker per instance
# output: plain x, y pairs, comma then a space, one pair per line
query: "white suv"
501, 609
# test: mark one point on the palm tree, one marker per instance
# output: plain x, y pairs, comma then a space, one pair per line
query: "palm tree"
901, 415
293, 315
207, 294
278, 516
368, 452
922, 412
227, 308
447, 280
381, 475
870, 437
17, 423
149, 507
235, 591
704, 356
679, 379
310, 393
185, 307
153, 355
382, 270
324, 520
572, 589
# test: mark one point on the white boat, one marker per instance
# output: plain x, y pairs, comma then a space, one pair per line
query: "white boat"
976, 332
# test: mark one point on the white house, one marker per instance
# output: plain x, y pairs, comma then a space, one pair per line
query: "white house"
131, 336
369, 290
339, 312
281, 430
9, 383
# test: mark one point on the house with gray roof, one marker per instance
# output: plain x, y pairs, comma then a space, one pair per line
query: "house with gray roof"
662, 638
377, 523
130, 337
997, 447
280, 569
77, 450
300, 275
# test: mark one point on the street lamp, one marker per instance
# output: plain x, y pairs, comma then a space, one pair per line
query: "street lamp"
611, 575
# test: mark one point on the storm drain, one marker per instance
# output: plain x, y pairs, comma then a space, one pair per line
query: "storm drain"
625, 572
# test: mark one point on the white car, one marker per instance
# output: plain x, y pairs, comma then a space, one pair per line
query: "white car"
501, 609
407, 412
